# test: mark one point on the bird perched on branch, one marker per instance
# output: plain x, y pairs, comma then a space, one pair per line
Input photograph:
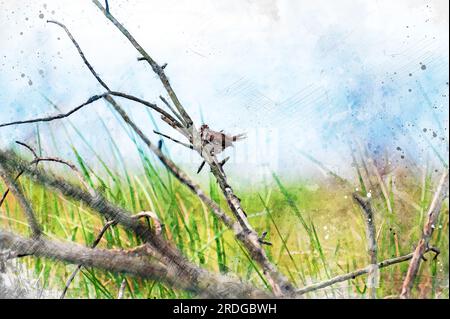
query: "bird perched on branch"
219, 140
212, 141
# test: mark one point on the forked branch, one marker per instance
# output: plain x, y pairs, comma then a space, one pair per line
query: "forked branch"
38, 159
55, 117
105, 227
121, 261
36, 230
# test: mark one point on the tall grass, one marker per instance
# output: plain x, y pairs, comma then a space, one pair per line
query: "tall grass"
316, 234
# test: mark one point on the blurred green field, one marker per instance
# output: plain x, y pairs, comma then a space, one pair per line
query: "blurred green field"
317, 232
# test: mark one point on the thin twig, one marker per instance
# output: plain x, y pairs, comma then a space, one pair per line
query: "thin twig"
37, 160
155, 67
28, 147
190, 146
172, 109
433, 214
249, 239
107, 225
55, 117
352, 275
176, 127
103, 84
148, 104
80, 53
201, 167
5, 194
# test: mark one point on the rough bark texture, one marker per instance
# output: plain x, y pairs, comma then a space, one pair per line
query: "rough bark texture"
120, 261
433, 214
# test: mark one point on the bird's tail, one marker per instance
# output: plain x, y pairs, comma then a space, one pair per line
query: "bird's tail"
239, 137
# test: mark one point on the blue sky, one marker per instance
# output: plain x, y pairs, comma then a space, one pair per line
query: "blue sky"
297, 76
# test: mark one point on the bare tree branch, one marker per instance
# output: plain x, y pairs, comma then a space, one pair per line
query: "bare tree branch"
155, 67
165, 116
80, 53
282, 285
37, 160
371, 242
165, 252
94, 244
353, 275
55, 117
242, 230
102, 83
120, 261
433, 214
148, 104
28, 147
36, 230
107, 6
107, 225
5, 194
190, 146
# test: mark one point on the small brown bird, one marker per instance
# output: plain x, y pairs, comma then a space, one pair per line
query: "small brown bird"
219, 140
